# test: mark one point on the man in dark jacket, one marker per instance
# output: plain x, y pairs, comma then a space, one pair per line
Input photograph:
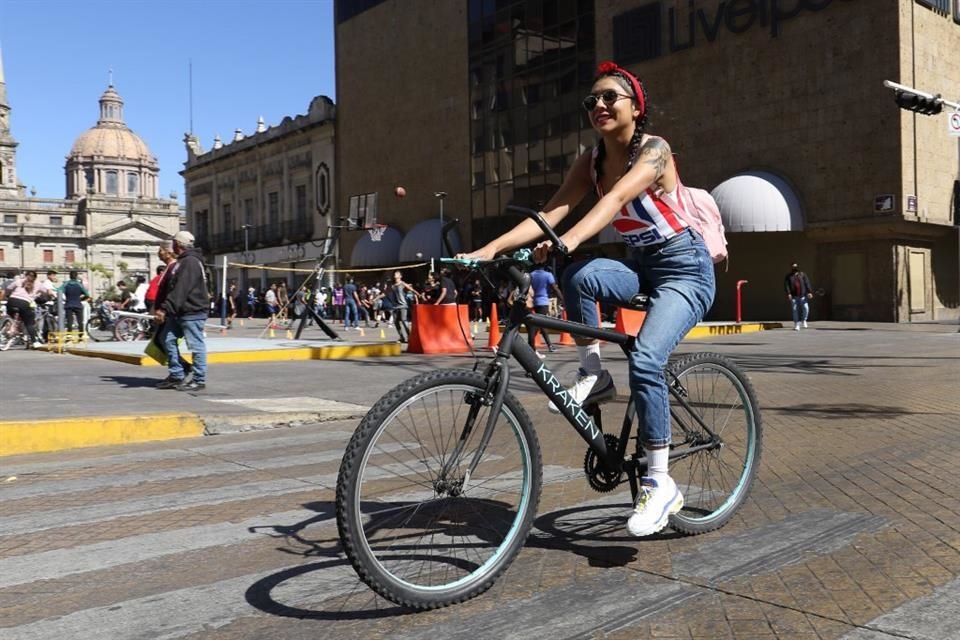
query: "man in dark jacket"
183, 312
797, 286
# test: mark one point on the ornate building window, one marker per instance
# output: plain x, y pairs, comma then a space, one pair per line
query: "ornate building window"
56, 220
273, 208
69, 256
133, 184
48, 256
111, 182
300, 202
88, 174
9, 218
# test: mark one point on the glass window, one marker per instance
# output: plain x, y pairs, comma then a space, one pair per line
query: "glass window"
273, 209
133, 184
56, 220
112, 182
10, 218
48, 256
3, 257
88, 174
227, 217
248, 211
300, 202
69, 256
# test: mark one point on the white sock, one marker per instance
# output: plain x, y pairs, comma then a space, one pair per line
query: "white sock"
590, 357
657, 463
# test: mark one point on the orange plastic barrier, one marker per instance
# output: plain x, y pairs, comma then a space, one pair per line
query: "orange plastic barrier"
437, 329
494, 339
629, 321
565, 338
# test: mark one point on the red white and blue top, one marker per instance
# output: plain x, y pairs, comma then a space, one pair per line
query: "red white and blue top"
646, 220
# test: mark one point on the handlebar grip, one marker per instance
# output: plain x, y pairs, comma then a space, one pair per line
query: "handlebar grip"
546, 228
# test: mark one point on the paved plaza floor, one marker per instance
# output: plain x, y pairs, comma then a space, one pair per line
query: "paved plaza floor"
852, 530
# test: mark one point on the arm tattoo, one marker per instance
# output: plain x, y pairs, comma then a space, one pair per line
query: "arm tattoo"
655, 152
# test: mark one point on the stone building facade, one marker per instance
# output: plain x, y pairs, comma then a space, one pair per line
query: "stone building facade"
779, 110
111, 221
266, 198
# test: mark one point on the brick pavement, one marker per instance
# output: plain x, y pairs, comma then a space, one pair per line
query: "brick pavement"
851, 531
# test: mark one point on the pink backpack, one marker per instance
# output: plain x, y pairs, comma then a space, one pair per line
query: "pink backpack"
703, 214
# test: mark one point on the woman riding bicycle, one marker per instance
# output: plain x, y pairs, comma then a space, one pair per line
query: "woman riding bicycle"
21, 299
631, 173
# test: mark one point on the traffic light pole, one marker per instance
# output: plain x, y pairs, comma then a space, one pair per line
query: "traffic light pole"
920, 101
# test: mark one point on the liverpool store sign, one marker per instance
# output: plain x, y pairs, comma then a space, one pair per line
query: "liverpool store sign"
736, 16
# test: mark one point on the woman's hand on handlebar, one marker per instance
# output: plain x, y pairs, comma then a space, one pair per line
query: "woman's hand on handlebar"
483, 253
542, 251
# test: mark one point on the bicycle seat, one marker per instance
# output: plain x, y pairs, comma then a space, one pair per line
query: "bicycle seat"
639, 302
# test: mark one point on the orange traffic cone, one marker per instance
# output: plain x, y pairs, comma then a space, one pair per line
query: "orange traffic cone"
565, 338
494, 338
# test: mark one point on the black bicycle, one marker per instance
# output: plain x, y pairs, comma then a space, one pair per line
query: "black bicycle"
439, 485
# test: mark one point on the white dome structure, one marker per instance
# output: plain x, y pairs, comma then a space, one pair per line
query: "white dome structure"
758, 201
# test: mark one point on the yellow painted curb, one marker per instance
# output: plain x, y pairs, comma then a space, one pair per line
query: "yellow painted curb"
69, 433
708, 330
326, 352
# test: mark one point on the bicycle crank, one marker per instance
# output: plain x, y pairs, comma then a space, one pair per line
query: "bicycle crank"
599, 476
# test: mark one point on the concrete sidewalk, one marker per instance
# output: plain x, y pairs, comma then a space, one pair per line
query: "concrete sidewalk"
58, 401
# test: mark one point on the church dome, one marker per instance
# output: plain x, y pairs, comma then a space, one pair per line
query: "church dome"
111, 138
111, 142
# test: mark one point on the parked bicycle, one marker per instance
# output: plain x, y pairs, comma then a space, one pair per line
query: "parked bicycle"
13, 332
439, 485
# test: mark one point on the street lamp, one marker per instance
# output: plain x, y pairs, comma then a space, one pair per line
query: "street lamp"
440, 195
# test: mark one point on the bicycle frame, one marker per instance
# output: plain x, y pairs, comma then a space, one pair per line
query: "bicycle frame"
587, 424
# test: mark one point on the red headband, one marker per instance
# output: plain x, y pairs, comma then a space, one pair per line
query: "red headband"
612, 68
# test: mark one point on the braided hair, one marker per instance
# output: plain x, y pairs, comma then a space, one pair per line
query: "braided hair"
609, 70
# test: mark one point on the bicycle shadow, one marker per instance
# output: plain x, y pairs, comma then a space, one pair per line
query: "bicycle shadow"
594, 532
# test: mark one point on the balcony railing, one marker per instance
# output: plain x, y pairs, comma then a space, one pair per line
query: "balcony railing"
257, 237
42, 230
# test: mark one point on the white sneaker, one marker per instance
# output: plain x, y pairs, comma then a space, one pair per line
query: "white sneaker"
655, 504
804, 324
796, 326
594, 386
540, 355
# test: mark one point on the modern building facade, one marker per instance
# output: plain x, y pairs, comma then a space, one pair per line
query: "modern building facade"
264, 199
111, 221
780, 111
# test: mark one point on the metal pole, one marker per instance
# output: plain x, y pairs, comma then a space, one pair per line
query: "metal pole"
441, 195
223, 294
740, 284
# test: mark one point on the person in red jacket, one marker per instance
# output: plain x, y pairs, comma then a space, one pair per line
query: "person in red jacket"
166, 256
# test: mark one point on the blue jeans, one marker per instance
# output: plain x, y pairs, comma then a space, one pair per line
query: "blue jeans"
192, 330
678, 277
801, 310
351, 317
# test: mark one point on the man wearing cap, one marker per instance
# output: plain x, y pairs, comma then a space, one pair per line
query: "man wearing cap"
183, 312
797, 286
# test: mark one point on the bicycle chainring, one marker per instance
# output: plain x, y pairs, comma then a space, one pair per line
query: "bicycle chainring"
599, 477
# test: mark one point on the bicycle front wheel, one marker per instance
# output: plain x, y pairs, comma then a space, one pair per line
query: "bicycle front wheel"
715, 480
7, 333
98, 330
421, 527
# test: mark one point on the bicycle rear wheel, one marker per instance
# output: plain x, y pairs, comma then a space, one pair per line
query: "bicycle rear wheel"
128, 330
716, 480
419, 527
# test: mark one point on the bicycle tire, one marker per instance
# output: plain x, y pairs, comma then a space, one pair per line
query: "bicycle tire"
6, 339
715, 481
96, 330
374, 513
127, 330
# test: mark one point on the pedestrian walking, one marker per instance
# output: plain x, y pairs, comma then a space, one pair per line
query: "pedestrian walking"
74, 293
542, 284
797, 286
184, 312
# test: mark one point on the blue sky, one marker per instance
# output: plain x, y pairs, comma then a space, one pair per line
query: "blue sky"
250, 58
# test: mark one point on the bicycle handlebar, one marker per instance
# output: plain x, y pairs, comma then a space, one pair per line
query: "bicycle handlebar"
546, 228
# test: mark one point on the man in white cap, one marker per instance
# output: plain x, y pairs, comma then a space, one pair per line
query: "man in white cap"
184, 311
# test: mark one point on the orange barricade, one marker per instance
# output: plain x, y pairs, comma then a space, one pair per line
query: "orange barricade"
629, 321
494, 338
437, 329
565, 338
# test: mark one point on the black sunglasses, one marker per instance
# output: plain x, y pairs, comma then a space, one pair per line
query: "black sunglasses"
609, 96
